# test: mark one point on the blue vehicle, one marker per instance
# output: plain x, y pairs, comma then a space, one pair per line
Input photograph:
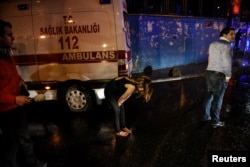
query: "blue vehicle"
168, 41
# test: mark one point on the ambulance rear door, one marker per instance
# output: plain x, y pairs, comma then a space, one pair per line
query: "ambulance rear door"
74, 40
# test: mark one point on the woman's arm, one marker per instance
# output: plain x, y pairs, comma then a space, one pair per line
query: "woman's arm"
126, 94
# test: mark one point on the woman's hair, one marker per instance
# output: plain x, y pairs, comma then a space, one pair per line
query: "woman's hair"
144, 87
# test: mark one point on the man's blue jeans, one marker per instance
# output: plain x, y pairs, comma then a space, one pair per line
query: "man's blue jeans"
15, 139
216, 87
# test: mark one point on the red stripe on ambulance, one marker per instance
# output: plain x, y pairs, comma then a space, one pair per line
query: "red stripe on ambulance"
72, 58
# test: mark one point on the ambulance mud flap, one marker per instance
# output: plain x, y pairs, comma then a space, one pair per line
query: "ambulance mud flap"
76, 98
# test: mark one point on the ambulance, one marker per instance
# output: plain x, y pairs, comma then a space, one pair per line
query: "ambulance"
69, 49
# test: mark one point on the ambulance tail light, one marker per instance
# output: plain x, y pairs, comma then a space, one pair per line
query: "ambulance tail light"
124, 59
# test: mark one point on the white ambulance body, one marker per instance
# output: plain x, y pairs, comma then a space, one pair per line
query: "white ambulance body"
69, 49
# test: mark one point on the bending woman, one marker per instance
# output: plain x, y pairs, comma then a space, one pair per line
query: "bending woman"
118, 90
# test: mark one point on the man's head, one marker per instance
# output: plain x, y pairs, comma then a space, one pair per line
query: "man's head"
228, 33
6, 34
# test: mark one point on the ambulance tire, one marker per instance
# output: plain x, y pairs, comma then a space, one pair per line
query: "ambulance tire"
77, 99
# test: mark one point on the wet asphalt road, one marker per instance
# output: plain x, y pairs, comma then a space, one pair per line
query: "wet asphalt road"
167, 132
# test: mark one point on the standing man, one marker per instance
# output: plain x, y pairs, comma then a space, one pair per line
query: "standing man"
15, 141
217, 75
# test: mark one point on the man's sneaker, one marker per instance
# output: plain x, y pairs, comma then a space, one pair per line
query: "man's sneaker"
206, 119
41, 164
218, 124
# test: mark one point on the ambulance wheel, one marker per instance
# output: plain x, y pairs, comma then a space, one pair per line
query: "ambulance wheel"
77, 99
